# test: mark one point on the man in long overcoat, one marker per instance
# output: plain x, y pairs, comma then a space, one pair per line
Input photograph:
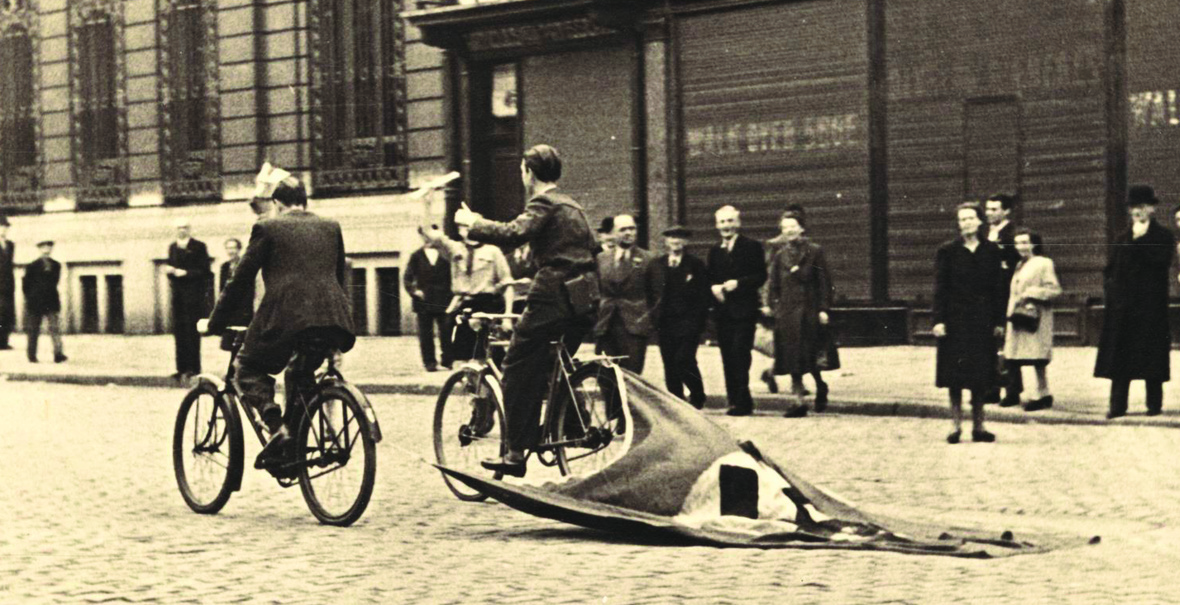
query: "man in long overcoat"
189, 271
623, 322
1136, 338
42, 301
7, 285
678, 296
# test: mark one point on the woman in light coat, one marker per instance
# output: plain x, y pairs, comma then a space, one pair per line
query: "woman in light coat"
1035, 282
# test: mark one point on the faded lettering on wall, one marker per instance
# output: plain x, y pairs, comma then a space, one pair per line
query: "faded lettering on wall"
1155, 109
809, 133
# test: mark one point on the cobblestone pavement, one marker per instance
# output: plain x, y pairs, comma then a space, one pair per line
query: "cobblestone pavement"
874, 380
92, 514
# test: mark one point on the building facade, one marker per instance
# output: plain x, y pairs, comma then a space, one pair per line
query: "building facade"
878, 116
118, 117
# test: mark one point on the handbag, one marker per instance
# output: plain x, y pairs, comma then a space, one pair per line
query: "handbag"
1026, 317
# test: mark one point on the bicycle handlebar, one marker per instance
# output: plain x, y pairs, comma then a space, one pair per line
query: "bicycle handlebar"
495, 316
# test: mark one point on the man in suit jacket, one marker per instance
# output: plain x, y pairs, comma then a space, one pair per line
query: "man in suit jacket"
233, 249
623, 323
7, 284
737, 269
301, 257
678, 295
428, 280
42, 301
1002, 232
190, 273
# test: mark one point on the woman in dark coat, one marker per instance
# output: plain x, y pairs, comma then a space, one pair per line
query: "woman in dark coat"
1136, 338
800, 295
968, 318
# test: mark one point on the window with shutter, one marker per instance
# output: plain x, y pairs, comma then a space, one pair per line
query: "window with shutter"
189, 103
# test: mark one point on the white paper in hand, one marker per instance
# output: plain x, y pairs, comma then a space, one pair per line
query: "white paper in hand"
268, 179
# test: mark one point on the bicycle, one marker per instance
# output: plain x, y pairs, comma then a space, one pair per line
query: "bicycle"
331, 424
469, 415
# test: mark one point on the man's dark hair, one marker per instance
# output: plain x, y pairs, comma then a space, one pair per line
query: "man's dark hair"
1007, 202
236, 241
290, 192
795, 214
1033, 237
544, 162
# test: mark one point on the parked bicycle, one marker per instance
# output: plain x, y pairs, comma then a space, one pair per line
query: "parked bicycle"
333, 460
584, 423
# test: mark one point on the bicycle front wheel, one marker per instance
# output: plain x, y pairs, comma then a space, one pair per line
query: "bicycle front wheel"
593, 428
468, 427
337, 456
207, 450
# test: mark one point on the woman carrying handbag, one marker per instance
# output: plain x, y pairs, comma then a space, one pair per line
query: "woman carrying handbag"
1029, 338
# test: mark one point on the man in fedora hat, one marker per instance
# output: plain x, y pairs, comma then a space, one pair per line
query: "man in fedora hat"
679, 299
7, 285
42, 302
1136, 340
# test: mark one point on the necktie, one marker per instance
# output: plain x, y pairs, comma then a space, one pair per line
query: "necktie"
470, 258
674, 262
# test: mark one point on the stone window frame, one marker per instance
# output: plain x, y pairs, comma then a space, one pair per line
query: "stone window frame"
19, 192
189, 175
345, 163
105, 183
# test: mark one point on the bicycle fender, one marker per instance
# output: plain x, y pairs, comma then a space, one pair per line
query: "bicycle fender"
374, 427
239, 454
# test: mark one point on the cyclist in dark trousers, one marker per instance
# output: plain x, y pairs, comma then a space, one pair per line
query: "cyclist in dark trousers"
560, 304
301, 257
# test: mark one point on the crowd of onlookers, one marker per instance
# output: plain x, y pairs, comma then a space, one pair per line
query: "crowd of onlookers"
994, 288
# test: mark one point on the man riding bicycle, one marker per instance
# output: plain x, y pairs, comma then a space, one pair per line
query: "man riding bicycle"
559, 304
301, 257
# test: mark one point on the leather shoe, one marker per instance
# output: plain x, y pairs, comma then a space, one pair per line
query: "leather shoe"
697, 402
1010, 401
768, 378
1043, 403
796, 411
32, 360
954, 437
821, 397
738, 412
1111, 415
982, 437
59, 358
507, 465
275, 451
1154, 412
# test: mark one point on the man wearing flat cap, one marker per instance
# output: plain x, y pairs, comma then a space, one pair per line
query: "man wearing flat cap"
7, 285
1136, 339
679, 299
42, 302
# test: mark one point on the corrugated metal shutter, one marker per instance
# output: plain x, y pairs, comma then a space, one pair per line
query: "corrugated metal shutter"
775, 111
1153, 81
951, 58
580, 103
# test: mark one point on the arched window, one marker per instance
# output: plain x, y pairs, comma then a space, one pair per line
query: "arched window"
359, 94
189, 109
18, 154
99, 103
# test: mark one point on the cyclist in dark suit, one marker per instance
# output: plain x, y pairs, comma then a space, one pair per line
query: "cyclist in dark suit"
301, 257
557, 307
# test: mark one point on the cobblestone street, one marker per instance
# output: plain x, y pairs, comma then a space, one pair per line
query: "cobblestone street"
93, 515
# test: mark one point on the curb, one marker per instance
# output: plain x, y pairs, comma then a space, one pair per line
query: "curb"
762, 402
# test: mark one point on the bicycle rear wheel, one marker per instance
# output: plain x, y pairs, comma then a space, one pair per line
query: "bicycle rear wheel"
337, 456
207, 451
468, 427
593, 429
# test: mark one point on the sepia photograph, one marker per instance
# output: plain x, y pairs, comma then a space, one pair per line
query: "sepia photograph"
589, 302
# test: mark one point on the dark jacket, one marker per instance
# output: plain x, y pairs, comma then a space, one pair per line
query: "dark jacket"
7, 287
1009, 257
433, 280
747, 264
301, 257
190, 293
555, 226
40, 286
246, 312
1136, 340
679, 298
624, 292
800, 287
969, 301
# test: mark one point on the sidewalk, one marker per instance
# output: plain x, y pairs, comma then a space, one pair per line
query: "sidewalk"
879, 381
